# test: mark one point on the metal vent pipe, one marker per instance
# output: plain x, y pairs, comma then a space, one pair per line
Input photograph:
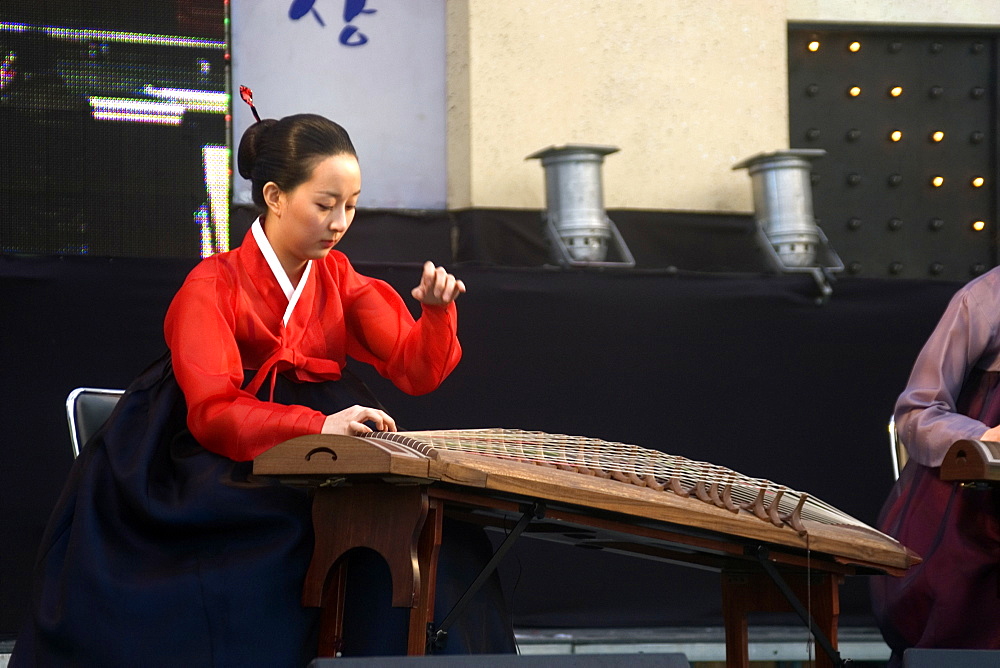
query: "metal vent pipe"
782, 202
579, 227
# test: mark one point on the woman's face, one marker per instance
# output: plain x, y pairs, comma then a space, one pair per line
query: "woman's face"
307, 221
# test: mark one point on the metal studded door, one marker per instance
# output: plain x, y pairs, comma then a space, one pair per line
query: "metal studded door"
908, 118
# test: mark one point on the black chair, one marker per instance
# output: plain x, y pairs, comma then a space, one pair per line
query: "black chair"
87, 408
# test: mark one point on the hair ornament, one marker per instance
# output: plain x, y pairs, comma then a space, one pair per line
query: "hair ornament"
247, 96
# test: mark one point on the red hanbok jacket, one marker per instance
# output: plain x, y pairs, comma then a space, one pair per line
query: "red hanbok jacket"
228, 317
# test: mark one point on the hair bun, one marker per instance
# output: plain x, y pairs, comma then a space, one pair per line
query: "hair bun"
246, 156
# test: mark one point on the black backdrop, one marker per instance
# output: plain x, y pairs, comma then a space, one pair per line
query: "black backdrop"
738, 369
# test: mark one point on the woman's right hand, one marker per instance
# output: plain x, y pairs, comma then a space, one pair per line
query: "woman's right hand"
992, 434
351, 421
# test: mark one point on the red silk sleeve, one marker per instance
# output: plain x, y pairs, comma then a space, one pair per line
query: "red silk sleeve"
415, 356
200, 331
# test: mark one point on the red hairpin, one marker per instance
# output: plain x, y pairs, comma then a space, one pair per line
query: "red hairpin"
247, 96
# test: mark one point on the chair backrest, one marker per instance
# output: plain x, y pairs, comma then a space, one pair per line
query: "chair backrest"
896, 449
87, 408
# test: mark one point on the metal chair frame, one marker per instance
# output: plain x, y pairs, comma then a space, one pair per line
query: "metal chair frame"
896, 449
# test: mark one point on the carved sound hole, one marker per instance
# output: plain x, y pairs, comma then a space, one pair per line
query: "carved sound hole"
960, 456
322, 450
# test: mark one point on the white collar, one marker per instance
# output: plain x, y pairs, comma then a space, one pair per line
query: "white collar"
292, 293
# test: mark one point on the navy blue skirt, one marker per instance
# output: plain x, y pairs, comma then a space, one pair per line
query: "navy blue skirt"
160, 552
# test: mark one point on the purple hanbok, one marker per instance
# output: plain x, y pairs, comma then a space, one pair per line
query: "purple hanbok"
951, 599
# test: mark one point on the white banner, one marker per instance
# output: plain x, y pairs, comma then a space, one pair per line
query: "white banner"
377, 67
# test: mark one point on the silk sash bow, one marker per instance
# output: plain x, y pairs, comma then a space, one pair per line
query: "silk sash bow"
322, 368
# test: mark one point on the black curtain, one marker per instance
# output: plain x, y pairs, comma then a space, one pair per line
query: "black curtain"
742, 370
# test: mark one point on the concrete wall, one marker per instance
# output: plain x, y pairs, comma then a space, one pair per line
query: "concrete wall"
684, 88
935, 12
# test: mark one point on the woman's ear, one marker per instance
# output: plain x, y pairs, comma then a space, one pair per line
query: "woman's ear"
273, 197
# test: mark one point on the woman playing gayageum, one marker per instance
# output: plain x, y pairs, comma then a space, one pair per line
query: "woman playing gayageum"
164, 549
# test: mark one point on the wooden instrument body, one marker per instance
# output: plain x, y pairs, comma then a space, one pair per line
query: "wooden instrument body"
580, 510
321, 457
972, 461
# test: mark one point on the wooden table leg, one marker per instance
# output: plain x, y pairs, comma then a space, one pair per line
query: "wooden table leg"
736, 599
423, 613
746, 592
331, 625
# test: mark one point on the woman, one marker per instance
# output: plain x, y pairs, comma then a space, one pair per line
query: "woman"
951, 599
164, 548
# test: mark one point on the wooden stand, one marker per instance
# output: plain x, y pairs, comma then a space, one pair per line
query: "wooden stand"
379, 517
403, 524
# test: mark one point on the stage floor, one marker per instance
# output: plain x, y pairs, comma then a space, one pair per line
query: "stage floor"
699, 644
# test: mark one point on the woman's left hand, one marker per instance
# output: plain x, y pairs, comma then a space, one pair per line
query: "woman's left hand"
437, 287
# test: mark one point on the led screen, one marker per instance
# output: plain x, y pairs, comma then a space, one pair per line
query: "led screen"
114, 122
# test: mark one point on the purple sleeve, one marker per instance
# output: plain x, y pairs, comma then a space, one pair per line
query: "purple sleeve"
925, 412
